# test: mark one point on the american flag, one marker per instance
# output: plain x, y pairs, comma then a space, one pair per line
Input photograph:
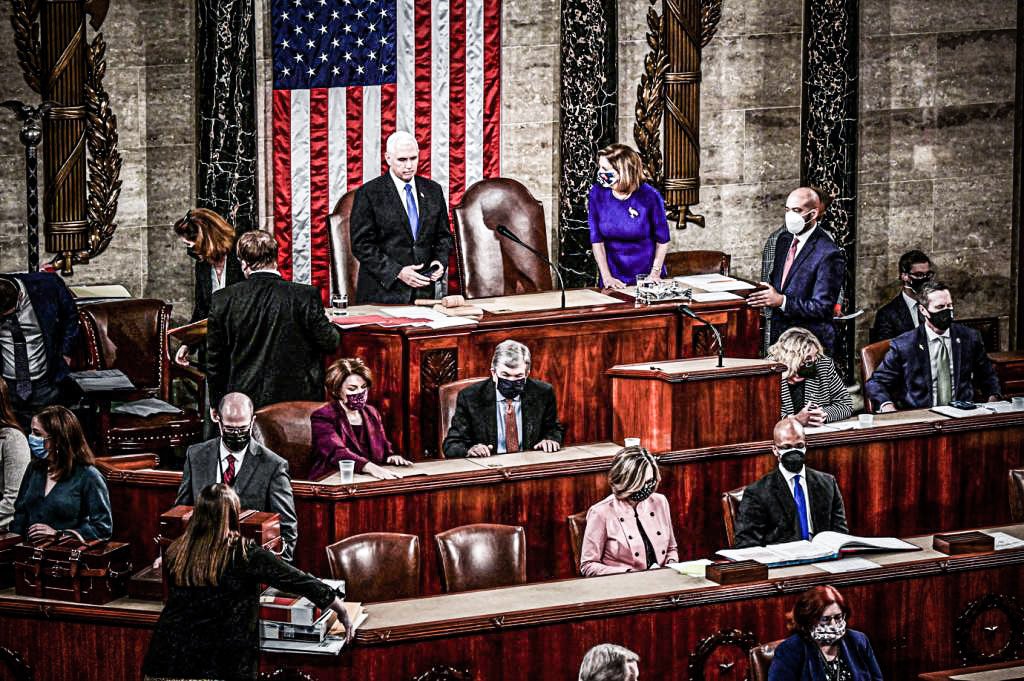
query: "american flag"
347, 74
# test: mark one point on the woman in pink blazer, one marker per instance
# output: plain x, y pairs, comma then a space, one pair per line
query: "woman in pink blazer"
631, 530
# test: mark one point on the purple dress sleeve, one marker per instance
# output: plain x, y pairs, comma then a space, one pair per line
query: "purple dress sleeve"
656, 208
593, 210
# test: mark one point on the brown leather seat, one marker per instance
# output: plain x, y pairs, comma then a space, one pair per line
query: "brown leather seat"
284, 429
577, 527
761, 657
697, 262
491, 265
377, 566
870, 357
344, 266
448, 393
131, 335
730, 510
1017, 495
482, 556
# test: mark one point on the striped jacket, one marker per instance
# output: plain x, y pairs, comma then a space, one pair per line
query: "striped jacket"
826, 390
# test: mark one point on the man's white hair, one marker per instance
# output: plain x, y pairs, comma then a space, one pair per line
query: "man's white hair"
510, 353
400, 137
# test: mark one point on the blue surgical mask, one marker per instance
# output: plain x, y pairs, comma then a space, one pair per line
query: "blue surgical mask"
37, 445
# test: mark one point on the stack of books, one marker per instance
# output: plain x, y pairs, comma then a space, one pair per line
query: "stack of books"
293, 624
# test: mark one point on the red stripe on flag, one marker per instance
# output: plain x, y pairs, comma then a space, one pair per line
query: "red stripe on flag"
354, 113
282, 162
388, 114
319, 192
492, 88
457, 102
423, 92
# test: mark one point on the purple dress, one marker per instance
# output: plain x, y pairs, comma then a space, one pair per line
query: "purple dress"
629, 229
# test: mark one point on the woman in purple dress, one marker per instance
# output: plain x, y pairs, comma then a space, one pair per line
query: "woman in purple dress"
628, 227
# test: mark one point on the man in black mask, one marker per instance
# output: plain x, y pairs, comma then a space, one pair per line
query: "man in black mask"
934, 364
900, 314
258, 475
509, 412
793, 502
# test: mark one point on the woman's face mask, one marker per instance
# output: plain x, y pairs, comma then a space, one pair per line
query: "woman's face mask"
607, 178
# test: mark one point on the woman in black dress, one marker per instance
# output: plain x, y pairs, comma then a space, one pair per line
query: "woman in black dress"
209, 627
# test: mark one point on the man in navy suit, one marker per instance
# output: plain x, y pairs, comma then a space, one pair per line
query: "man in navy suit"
900, 315
399, 230
935, 363
38, 329
806, 274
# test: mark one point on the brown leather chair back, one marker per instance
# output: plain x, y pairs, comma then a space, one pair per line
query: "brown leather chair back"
482, 556
577, 526
1017, 495
448, 393
344, 266
697, 262
491, 265
130, 335
870, 357
284, 429
730, 509
377, 566
761, 657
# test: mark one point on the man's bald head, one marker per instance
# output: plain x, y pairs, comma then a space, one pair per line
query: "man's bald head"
235, 410
788, 433
806, 199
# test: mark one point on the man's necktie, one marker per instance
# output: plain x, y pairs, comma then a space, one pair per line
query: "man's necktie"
943, 382
410, 208
511, 428
801, 508
229, 472
790, 257
23, 380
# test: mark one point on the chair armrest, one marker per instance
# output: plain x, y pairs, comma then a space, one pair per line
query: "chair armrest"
189, 373
127, 462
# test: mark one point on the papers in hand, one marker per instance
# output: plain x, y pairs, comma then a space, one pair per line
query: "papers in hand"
146, 407
824, 546
102, 380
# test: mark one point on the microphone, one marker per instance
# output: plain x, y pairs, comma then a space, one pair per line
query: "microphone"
685, 309
507, 233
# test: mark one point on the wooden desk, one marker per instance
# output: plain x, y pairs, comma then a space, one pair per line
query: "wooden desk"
909, 607
915, 472
1007, 671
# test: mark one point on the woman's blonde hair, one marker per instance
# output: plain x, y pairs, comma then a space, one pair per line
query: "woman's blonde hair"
627, 163
200, 555
631, 468
792, 347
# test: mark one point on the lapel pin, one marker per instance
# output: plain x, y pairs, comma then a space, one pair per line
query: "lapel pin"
633, 212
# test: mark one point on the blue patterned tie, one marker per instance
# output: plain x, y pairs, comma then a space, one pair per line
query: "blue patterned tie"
801, 507
410, 208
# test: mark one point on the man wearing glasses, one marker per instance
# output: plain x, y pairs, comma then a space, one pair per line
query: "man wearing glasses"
900, 314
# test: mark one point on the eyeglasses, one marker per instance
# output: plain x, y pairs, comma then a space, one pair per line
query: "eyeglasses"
236, 430
832, 619
927, 276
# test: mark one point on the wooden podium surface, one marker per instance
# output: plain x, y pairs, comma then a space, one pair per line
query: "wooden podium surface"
690, 403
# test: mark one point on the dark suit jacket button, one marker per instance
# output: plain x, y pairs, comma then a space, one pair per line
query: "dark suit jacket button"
659, 533
652, 514
630, 537
622, 520
663, 553
637, 555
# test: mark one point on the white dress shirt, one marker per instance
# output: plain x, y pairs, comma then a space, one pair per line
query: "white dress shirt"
801, 241
912, 306
933, 354
803, 485
34, 345
400, 185
223, 463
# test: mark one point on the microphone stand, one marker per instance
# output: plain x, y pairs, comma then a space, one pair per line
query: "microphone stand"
507, 233
685, 309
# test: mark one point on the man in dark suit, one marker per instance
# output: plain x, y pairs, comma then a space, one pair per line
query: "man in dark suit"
793, 502
38, 330
258, 475
806, 275
267, 337
399, 230
934, 364
508, 412
900, 315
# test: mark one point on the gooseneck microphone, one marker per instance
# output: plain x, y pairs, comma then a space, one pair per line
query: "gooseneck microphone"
507, 233
685, 309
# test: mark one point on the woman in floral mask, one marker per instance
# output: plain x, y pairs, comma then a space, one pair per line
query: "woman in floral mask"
821, 648
348, 428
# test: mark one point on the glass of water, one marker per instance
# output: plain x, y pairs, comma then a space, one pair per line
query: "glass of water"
339, 303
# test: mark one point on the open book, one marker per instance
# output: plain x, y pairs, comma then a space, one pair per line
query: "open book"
824, 546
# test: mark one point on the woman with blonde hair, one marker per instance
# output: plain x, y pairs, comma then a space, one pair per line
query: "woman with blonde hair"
812, 391
631, 529
628, 226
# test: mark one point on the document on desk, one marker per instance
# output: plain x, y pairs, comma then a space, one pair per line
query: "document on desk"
1001, 407
435, 319
691, 568
714, 282
1004, 541
955, 413
535, 457
714, 296
824, 546
1005, 674
847, 565
546, 300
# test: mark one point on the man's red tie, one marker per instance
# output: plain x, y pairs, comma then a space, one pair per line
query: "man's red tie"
790, 257
229, 472
511, 428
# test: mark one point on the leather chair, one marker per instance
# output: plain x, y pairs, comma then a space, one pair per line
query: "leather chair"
482, 556
377, 566
730, 510
448, 393
1017, 495
284, 429
697, 262
344, 266
870, 357
577, 526
131, 335
761, 657
491, 265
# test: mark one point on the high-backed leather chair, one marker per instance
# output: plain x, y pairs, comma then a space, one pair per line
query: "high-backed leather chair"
491, 265
482, 556
284, 429
761, 657
577, 527
697, 262
870, 357
448, 393
344, 266
730, 510
1017, 495
377, 566
131, 335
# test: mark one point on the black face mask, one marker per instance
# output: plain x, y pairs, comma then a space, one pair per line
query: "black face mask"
234, 440
644, 492
191, 252
807, 371
917, 283
509, 389
792, 459
941, 320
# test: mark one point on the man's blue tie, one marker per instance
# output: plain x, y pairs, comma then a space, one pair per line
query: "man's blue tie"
410, 208
801, 507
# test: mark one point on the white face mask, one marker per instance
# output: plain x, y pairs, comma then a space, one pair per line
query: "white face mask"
795, 222
828, 634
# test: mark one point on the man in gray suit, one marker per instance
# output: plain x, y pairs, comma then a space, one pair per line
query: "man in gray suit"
258, 475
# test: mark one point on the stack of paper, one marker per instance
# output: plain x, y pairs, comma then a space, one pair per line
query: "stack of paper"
714, 282
291, 624
824, 546
146, 408
102, 380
